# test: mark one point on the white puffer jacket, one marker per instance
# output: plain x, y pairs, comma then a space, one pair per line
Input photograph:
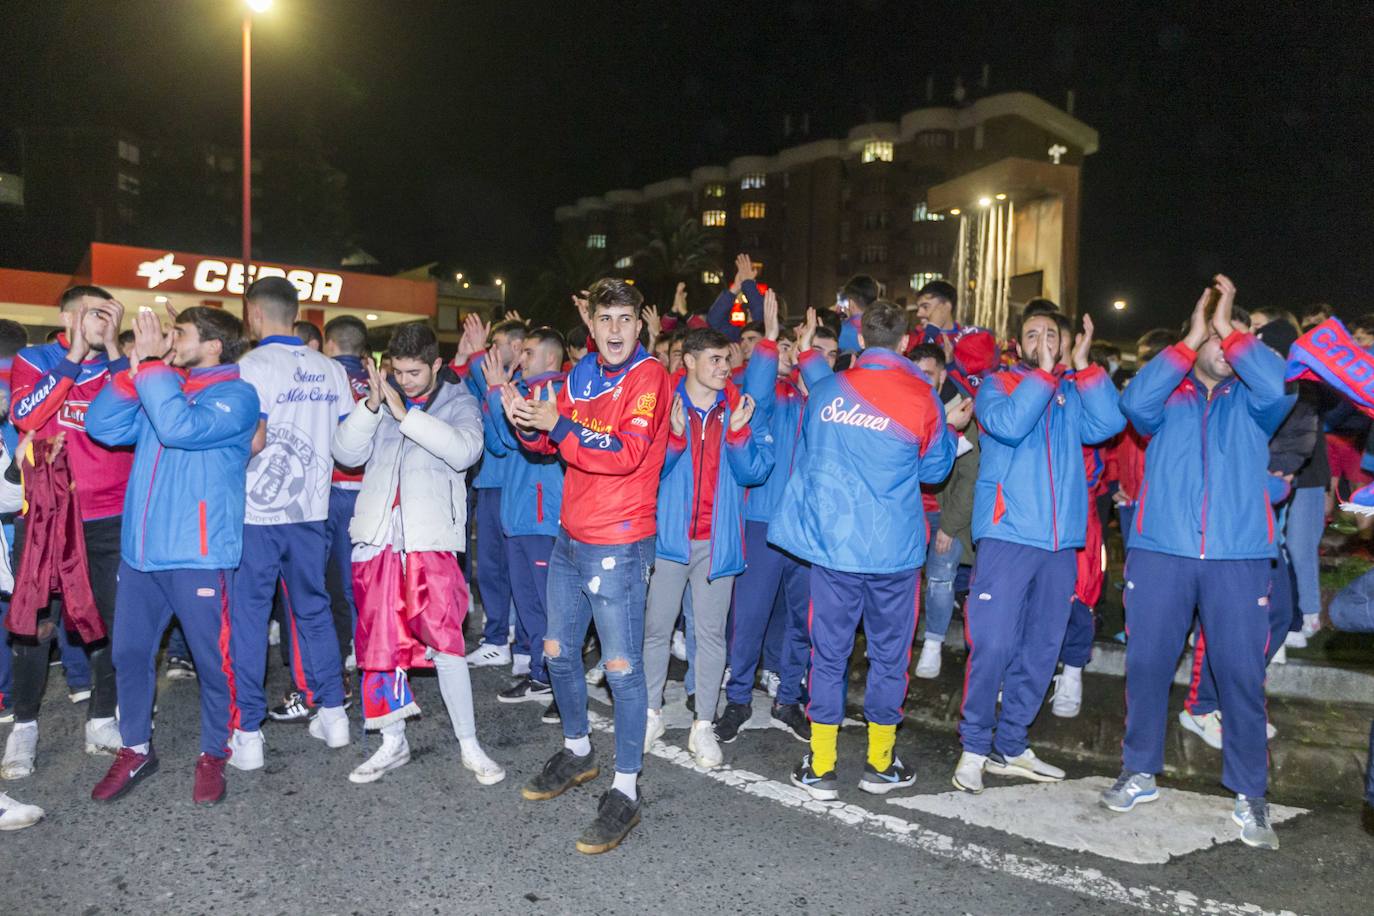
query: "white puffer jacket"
11, 500
427, 455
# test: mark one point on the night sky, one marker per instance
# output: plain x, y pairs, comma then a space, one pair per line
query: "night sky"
1232, 138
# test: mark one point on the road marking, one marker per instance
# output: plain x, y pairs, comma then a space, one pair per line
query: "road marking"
1088, 882
1067, 815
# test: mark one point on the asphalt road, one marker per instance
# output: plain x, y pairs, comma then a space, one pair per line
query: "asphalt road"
297, 837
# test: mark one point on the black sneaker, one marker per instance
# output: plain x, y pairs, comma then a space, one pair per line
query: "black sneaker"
823, 787
180, 669
732, 720
563, 771
616, 816
524, 690
792, 719
692, 703
897, 776
550, 715
293, 709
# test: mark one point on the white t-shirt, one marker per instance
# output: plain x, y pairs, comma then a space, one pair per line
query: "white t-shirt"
304, 395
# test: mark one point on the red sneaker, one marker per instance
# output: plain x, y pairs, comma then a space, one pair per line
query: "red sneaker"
129, 768
209, 788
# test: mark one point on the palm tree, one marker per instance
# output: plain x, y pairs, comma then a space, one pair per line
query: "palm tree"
675, 247
573, 267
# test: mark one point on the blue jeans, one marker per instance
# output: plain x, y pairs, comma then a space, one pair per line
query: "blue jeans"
942, 567
1306, 523
1352, 609
607, 583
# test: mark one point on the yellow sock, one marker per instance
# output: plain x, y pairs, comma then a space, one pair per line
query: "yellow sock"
823, 738
880, 741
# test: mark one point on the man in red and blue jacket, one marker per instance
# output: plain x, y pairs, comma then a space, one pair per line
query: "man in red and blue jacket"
1204, 536
610, 427
1030, 516
192, 436
712, 456
873, 434
531, 500
746, 284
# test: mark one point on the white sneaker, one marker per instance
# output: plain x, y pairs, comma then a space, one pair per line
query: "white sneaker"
79, 695
1068, 693
351, 663
703, 746
678, 647
273, 633
510, 634
1025, 765
1281, 656
489, 656
20, 750
488, 771
245, 750
520, 665
968, 774
391, 755
330, 725
725, 678
1295, 640
929, 664
1270, 732
596, 675
1311, 625
15, 815
1207, 726
770, 680
653, 728
102, 736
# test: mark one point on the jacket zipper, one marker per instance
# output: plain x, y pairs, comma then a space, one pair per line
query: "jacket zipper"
147, 502
1049, 463
696, 494
538, 502
1206, 411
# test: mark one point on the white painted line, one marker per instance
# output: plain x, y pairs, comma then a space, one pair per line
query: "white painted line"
1088, 882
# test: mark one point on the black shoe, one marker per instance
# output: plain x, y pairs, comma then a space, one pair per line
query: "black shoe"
897, 776
616, 816
524, 690
293, 709
1367, 818
692, 703
179, 669
792, 718
550, 715
563, 771
822, 787
732, 720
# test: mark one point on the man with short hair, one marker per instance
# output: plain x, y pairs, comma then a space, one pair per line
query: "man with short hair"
745, 285
610, 426
1203, 539
1030, 511
712, 456
872, 435
935, 304
854, 297
53, 385
827, 343
192, 429
308, 332
304, 395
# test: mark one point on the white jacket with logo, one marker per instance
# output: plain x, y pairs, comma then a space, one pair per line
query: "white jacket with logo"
426, 455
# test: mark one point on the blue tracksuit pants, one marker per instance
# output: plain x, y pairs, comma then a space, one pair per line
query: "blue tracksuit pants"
886, 604
493, 568
771, 574
145, 603
528, 559
1014, 622
1232, 599
1078, 635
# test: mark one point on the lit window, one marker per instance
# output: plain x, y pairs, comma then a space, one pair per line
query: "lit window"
714, 190
710, 277
713, 218
128, 183
873, 254
920, 280
128, 152
923, 215
596, 240
753, 180
752, 209
878, 151
624, 262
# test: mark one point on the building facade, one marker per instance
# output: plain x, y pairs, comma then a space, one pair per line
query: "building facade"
986, 195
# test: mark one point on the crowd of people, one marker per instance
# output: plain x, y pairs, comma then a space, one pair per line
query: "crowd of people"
748, 496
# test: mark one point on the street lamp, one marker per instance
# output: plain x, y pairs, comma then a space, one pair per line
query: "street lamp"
253, 6
1119, 305
502, 284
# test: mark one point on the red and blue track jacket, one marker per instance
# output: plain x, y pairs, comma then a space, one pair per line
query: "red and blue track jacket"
778, 404
192, 438
532, 493
849, 334
51, 395
872, 435
1206, 487
706, 470
718, 315
1031, 486
491, 473
612, 435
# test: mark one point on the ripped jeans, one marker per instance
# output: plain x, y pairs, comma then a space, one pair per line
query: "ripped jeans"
607, 583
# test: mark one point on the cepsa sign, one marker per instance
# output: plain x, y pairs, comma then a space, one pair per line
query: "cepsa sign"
211, 275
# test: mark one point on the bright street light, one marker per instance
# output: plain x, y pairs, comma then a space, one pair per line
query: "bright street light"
260, 6
1119, 305
498, 281
458, 276
371, 317
985, 201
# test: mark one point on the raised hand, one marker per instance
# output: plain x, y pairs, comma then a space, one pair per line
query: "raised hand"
744, 270
677, 418
114, 318
680, 300
807, 332
651, 320
540, 412
584, 307
374, 386
474, 339
77, 348
1226, 298
742, 414
1083, 345
511, 398
1197, 324
514, 315
493, 371
149, 341
1048, 357
771, 328
394, 402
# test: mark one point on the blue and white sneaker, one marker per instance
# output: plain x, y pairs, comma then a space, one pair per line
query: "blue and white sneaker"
823, 787
1129, 790
897, 776
1361, 501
